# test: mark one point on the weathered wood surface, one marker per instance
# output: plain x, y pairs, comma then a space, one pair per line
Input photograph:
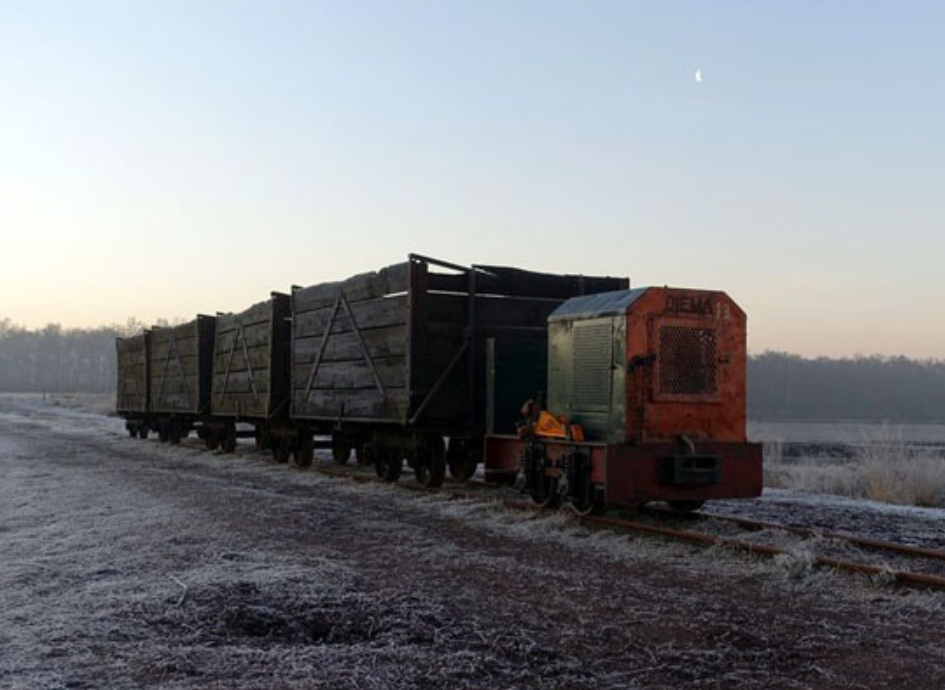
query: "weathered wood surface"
253, 335
259, 358
383, 342
132, 374
387, 281
353, 374
380, 312
250, 360
332, 374
363, 404
180, 367
351, 357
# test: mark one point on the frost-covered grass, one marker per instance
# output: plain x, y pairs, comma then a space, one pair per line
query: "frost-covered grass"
103, 404
884, 467
129, 563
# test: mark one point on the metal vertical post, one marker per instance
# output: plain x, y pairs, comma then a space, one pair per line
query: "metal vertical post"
471, 353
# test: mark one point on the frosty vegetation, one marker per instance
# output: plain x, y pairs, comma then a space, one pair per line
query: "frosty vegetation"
882, 467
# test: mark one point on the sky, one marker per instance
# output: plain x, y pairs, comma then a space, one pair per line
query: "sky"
160, 159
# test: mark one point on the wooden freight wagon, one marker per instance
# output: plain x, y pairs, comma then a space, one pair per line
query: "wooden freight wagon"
251, 374
132, 397
392, 362
181, 361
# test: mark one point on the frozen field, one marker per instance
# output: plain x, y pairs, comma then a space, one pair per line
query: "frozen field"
843, 432
129, 564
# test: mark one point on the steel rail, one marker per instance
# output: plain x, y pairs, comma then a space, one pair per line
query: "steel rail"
899, 577
874, 544
902, 577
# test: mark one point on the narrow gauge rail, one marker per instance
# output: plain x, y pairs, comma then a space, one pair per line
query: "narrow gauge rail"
486, 492
861, 542
900, 577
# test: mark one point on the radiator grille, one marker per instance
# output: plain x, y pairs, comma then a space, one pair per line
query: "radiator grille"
687, 361
591, 360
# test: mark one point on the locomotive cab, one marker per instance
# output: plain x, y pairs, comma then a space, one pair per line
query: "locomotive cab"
656, 380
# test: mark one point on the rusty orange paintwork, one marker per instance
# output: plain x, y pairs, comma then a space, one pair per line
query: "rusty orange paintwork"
652, 417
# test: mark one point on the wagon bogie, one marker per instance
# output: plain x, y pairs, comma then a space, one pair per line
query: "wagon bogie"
429, 462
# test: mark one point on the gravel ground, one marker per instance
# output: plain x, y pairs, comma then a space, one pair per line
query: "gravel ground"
130, 564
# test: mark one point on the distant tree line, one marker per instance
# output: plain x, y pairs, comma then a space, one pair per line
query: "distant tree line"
60, 360
786, 386
780, 385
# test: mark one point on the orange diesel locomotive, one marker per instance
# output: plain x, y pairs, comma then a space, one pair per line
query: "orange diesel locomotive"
646, 401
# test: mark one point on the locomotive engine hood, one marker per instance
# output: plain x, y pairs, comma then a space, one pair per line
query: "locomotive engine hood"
650, 364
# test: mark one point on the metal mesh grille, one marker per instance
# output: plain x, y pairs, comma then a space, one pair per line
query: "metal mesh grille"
687, 361
591, 369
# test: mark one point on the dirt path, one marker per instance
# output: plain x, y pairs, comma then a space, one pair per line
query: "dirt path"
127, 564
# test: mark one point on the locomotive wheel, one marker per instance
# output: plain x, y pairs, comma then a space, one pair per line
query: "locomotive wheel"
430, 464
545, 492
594, 505
388, 464
340, 449
143, 433
304, 452
686, 506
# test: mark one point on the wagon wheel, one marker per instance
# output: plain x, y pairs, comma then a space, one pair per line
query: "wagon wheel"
211, 440
430, 464
388, 464
462, 461
143, 432
304, 452
340, 449
262, 437
588, 505
162, 433
132, 431
228, 442
686, 506
281, 451
174, 433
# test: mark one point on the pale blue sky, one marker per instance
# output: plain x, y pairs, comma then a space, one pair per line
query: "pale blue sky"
164, 158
